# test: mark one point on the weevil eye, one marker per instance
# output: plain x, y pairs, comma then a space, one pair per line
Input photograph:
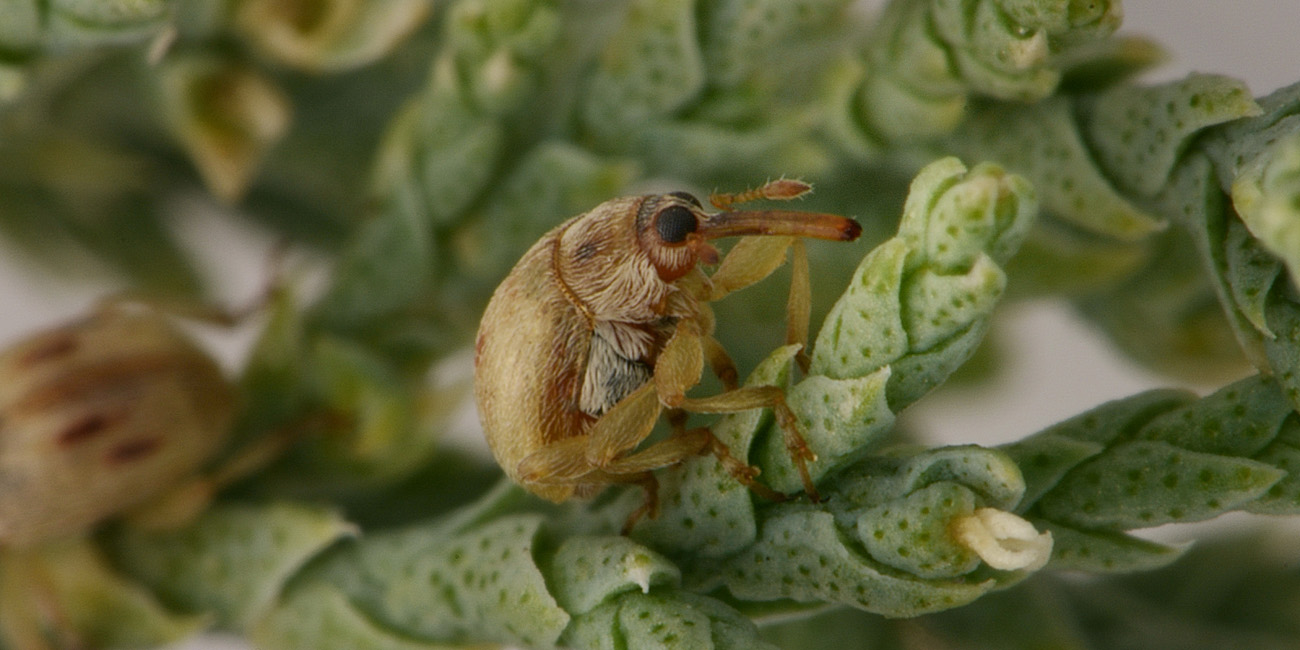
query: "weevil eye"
688, 197
674, 223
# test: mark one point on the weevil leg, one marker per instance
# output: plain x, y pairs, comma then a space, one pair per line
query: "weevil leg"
648, 508
721, 364
623, 426
680, 364
752, 397
562, 462
798, 310
671, 451
744, 473
750, 260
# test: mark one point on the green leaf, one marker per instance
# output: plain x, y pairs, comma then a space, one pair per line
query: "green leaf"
1139, 133
1146, 483
1119, 419
1284, 497
705, 511
989, 473
663, 619
802, 556
587, 571
1044, 458
652, 67
1042, 142
921, 301
912, 533
840, 419
743, 39
1099, 551
319, 616
1237, 420
248, 553
454, 580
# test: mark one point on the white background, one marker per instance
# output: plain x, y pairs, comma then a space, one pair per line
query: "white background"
1058, 367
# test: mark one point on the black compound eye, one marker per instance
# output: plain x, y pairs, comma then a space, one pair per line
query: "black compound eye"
688, 197
674, 223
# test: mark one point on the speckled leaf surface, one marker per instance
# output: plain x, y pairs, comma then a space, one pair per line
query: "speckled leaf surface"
249, 551
920, 301
1139, 133
1049, 150
1105, 551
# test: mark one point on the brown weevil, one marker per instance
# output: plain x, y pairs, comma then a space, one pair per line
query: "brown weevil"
604, 323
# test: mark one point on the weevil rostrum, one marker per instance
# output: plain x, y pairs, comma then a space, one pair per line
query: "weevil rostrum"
604, 323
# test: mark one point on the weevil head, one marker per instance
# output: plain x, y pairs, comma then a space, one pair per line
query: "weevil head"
674, 231
628, 252
668, 234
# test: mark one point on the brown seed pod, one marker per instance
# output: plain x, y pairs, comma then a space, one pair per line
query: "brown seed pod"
605, 322
101, 415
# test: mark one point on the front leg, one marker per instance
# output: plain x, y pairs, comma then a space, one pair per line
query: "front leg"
755, 258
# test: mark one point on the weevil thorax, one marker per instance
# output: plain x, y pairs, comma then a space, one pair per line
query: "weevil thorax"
100, 415
621, 260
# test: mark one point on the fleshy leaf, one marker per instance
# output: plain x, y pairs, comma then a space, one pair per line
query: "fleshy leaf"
839, 419
1146, 483
673, 619
989, 473
921, 300
653, 68
741, 37
927, 58
1265, 194
802, 556
249, 553
1284, 497
331, 35
227, 116
1044, 458
457, 581
912, 533
587, 571
1139, 133
318, 616
1237, 420
1042, 142
1105, 551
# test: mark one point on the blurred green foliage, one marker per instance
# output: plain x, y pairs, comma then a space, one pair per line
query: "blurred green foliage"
422, 145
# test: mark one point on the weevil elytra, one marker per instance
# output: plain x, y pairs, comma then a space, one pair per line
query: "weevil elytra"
604, 323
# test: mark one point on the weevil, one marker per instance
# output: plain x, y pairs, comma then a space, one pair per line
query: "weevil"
604, 324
